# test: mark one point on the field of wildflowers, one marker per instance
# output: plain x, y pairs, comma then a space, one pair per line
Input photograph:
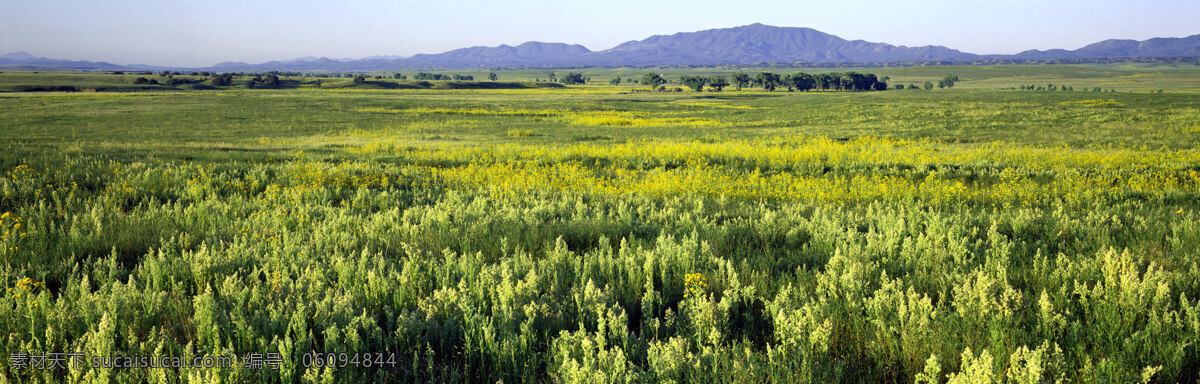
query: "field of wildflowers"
476, 237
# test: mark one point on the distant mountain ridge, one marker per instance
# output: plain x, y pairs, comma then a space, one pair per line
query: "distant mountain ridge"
1156, 47
530, 53
748, 44
24, 60
757, 43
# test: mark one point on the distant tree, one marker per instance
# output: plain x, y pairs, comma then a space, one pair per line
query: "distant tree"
553, 77
768, 81
802, 81
866, 82
880, 86
740, 79
141, 80
118, 73
913, 86
928, 85
205, 74
615, 81
696, 83
492, 76
573, 78
165, 73
397, 75
152, 81
430, 76
718, 83
222, 80
846, 82
653, 80
377, 77
360, 79
948, 81
271, 81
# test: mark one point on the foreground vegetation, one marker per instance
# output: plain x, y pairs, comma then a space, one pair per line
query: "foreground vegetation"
593, 235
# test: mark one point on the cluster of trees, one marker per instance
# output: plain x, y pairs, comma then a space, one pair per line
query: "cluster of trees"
180, 81
430, 76
284, 73
269, 81
947, 82
1048, 87
226, 79
329, 75
574, 78
1067, 88
697, 83
654, 80
438, 76
222, 80
171, 79
769, 81
1052, 87
800, 81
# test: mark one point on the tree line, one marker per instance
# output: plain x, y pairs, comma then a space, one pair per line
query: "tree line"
770, 81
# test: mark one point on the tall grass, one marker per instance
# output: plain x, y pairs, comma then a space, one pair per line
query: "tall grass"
472, 242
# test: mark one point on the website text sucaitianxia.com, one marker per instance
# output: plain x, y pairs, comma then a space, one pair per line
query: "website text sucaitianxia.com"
43, 361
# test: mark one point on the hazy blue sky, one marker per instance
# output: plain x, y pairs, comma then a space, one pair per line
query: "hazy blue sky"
200, 33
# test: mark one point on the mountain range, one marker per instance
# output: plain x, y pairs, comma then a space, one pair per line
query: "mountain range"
749, 44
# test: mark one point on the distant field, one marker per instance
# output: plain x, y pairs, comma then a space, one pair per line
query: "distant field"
1119, 77
519, 231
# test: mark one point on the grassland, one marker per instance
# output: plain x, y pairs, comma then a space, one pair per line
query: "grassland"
592, 234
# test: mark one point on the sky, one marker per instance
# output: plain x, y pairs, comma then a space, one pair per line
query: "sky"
194, 33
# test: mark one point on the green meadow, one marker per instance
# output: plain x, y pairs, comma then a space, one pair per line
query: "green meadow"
522, 231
